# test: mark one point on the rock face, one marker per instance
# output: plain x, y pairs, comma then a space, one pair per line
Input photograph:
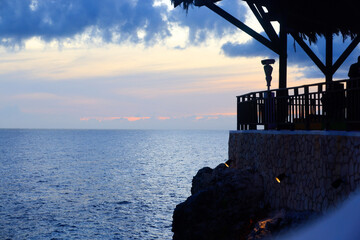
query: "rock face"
228, 204
224, 204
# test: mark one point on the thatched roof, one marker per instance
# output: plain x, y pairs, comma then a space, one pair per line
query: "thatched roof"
187, 3
307, 18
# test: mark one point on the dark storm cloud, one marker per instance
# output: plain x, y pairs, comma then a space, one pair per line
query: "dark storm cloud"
54, 19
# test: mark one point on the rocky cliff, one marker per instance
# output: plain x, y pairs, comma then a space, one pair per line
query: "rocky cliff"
228, 203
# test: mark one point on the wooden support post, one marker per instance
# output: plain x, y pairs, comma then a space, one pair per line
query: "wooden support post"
282, 92
283, 56
329, 57
238, 113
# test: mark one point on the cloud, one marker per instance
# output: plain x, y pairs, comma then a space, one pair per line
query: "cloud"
141, 21
178, 122
111, 20
202, 22
100, 119
249, 49
133, 119
296, 56
163, 118
213, 116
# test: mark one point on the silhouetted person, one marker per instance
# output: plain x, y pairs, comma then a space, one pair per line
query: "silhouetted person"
354, 70
353, 93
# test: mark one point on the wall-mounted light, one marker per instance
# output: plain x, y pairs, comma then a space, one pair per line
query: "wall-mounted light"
228, 163
336, 184
280, 178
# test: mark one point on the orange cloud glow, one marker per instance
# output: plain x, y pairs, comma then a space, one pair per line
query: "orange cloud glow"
213, 115
100, 119
133, 119
163, 118
221, 114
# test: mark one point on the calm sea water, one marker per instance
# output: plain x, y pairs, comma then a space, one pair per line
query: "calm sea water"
99, 184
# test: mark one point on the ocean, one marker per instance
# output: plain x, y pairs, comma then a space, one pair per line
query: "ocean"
99, 184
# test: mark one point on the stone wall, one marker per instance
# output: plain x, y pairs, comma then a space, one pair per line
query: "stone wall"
312, 161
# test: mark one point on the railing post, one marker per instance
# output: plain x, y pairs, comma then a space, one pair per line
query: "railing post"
237, 113
254, 115
307, 109
320, 107
267, 110
296, 106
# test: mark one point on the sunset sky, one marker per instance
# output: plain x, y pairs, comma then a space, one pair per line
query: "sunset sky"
133, 64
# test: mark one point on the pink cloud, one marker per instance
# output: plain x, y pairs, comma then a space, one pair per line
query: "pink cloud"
111, 118
100, 119
213, 115
84, 119
163, 118
210, 116
133, 119
221, 114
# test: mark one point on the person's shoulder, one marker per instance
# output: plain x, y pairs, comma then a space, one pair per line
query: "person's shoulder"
355, 65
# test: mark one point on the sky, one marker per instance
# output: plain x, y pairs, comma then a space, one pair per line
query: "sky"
134, 64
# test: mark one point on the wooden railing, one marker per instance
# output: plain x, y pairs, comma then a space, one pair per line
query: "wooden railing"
320, 106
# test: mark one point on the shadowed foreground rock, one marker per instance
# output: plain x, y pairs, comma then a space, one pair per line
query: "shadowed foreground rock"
228, 204
280, 222
223, 205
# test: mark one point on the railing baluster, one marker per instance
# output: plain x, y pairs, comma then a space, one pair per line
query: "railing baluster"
307, 109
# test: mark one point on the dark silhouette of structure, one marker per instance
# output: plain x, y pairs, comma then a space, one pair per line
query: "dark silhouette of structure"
306, 20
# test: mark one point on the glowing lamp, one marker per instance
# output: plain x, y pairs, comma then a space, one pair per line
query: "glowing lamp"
228, 163
280, 177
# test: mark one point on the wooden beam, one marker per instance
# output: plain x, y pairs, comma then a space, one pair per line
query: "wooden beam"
268, 28
329, 57
309, 52
283, 56
242, 26
345, 54
265, 16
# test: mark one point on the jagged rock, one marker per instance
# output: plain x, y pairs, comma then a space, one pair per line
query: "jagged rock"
223, 205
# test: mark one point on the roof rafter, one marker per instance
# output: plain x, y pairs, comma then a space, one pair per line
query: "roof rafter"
271, 45
346, 53
307, 19
265, 23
